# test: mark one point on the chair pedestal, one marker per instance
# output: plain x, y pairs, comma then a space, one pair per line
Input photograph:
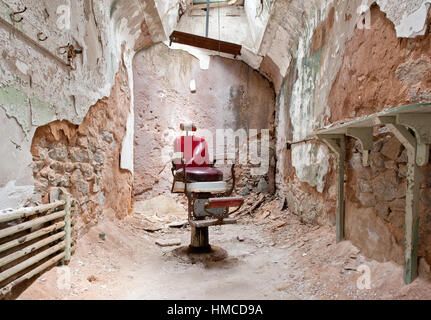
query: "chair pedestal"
200, 240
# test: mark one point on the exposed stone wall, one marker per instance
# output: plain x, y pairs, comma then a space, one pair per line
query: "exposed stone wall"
85, 159
375, 71
230, 95
380, 71
376, 200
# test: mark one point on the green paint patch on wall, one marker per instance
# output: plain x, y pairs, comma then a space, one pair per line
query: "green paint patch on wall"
26, 111
10, 96
312, 65
42, 112
17, 106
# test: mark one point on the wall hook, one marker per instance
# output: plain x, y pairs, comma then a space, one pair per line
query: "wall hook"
71, 54
14, 14
41, 36
62, 50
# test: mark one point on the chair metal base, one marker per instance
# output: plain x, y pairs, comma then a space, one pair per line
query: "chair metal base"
200, 240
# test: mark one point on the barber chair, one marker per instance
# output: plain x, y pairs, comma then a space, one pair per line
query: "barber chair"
209, 196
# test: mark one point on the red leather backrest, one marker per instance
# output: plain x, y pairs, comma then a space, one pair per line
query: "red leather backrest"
195, 151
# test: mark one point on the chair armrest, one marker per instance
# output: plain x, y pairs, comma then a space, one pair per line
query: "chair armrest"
178, 159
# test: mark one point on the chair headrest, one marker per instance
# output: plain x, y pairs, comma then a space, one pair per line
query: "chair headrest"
188, 127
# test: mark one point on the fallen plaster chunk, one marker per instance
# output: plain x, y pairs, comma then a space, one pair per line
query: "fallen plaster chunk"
193, 86
178, 224
168, 243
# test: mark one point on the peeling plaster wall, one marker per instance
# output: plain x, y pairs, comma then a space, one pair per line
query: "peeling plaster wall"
28, 100
258, 13
323, 60
408, 16
317, 67
37, 89
84, 159
378, 192
169, 14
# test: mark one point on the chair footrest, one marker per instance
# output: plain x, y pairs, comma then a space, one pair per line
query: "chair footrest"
224, 203
211, 222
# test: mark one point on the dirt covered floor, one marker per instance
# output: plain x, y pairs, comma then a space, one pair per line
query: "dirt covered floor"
272, 255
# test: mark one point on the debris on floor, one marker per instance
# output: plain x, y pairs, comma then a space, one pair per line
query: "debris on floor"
281, 259
168, 243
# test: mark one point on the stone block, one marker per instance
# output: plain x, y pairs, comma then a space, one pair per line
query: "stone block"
403, 158
82, 187
99, 157
58, 166
37, 166
41, 186
401, 190
83, 142
377, 162
96, 185
94, 144
367, 200
58, 153
80, 155
107, 136
262, 186
425, 177
86, 169
377, 146
53, 178
70, 167
356, 164
382, 209
244, 191
426, 197
76, 176
392, 148
65, 181
364, 186
385, 186
391, 165
402, 170
398, 205
46, 172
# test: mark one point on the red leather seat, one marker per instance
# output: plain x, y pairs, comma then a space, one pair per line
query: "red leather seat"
201, 174
197, 161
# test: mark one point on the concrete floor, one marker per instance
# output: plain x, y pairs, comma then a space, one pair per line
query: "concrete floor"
279, 258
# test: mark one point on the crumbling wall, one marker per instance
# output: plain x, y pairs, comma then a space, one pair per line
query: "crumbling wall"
376, 194
85, 159
229, 95
380, 70
376, 200
258, 13
36, 85
303, 169
348, 65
